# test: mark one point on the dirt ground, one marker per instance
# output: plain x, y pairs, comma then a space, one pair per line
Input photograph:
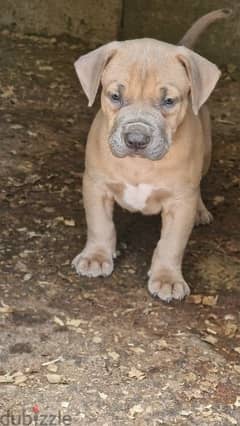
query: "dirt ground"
102, 351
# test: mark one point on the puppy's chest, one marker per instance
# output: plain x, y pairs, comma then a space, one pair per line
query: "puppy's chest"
143, 197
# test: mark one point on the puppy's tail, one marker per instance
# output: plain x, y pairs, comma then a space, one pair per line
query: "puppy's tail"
189, 39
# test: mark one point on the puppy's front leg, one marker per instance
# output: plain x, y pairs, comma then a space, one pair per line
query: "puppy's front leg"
96, 259
166, 280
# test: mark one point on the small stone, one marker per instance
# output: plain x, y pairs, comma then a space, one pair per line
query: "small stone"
185, 413
237, 349
52, 368
237, 402
54, 378
136, 409
96, 339
103, 395
69, 222
219, 199
114, 355
27, 277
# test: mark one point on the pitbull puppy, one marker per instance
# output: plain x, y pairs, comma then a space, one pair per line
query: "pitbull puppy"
147, 149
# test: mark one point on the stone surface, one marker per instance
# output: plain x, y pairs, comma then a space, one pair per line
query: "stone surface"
168, 20
94, 21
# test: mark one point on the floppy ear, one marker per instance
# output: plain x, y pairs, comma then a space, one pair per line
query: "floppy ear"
90, 67
203, 76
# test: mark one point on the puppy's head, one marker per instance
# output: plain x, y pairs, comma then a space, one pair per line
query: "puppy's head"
147, 86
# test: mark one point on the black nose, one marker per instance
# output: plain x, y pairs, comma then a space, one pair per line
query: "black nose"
136, 140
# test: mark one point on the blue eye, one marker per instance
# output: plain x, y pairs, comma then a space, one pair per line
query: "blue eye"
116, 98
169, 102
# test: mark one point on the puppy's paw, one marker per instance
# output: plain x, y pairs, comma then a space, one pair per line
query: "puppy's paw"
168, 286
203, 216
93, 264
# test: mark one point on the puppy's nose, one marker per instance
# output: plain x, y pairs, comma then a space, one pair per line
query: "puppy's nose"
136, 140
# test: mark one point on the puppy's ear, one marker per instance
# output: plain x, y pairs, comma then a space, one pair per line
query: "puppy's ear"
203, 76
90, 67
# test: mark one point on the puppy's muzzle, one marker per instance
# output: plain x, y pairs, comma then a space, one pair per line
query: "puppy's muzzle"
137, 136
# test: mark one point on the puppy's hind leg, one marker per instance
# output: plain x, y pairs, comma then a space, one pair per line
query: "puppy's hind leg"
203, 216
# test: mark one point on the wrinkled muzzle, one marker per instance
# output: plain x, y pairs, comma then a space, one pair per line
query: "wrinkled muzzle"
140, 132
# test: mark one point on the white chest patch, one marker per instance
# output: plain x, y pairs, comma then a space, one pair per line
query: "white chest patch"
136, 196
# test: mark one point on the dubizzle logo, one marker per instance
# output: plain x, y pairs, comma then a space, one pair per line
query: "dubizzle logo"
10, 418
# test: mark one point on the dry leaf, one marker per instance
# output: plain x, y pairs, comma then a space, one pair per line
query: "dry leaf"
136, 374
209, 300
194, 298
230, 329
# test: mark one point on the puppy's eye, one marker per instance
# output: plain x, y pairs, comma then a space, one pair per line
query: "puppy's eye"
115, 98
169, 103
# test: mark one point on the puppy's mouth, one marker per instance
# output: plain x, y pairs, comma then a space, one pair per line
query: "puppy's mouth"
139, 139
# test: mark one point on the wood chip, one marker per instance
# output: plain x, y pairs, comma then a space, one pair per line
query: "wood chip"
210, 339
6, 379
20, 379
58, 321
59, 359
